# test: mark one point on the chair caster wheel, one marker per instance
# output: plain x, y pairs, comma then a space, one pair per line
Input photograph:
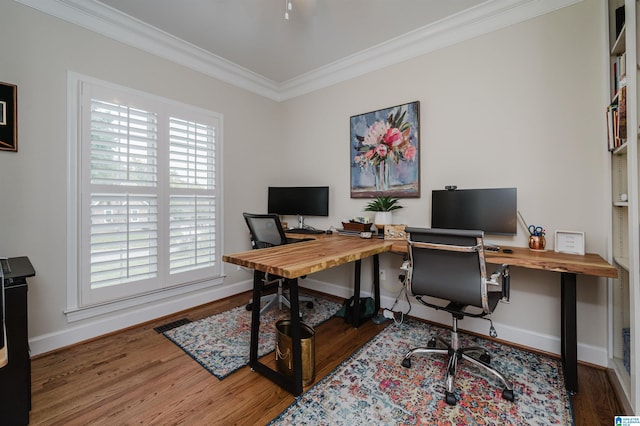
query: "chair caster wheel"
450, 398
432, 343
310, 305
485, 357
508, 394
406, 362
249, 306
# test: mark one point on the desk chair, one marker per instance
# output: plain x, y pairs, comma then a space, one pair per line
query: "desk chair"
266, 231
449, 265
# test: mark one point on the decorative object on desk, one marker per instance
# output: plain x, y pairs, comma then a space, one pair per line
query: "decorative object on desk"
395, 232
385, 152
8, 117
383, 206
537, 242
356, 226
536, 238
569, 242
371, 387
220, 343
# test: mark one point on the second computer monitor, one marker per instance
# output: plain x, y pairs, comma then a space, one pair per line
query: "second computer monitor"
493, 211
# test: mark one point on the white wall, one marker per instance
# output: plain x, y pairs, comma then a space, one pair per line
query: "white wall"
522, 107
37, 53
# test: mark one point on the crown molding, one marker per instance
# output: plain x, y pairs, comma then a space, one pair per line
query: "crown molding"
484, 18
110, 23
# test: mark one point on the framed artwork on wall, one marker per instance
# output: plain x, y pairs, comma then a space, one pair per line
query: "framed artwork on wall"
8, 117
385, 152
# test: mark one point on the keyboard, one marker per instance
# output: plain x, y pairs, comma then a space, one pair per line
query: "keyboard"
304, 231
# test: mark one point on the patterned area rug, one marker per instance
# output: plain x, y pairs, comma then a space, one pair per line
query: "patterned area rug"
220, 343
373, 388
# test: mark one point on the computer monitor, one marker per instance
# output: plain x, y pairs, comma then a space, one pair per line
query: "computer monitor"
299, 200
493, 211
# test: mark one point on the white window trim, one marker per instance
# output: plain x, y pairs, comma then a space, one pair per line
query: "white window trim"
74, 310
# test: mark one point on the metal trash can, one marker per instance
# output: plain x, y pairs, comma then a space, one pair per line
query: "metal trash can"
284, 355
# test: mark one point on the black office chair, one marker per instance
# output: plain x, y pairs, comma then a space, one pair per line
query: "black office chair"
266, 231
449, 265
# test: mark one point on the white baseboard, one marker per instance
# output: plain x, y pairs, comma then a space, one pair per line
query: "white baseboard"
89, 330
49, 342
544, 342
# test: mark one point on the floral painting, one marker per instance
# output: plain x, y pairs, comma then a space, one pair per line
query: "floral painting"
385, 152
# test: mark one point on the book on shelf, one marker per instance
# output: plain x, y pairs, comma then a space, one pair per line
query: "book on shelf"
622, 113
617, 120
610, 128
619, 72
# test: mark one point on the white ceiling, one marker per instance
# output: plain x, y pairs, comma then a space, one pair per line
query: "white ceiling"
248, 43
255, 35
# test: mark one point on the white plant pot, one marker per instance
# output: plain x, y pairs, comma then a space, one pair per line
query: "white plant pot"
383, 218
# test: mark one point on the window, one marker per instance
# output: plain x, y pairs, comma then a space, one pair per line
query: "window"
146, 193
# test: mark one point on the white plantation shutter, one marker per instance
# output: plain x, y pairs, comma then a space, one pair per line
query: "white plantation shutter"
148, 195
192, 148
124, 245
124, 238
192, 232
123, 145
192, 200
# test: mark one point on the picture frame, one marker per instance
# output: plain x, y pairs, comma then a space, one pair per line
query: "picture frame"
385, 152
8, 117
571, 242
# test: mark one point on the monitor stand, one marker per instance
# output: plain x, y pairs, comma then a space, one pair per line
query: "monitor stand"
301, 224
304, 229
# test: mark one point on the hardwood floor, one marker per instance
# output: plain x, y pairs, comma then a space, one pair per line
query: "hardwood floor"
138, 376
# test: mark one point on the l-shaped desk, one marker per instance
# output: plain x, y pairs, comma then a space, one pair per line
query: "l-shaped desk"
296, 260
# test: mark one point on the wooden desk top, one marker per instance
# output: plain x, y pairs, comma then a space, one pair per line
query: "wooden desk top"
296, 260
327, 251
548, 260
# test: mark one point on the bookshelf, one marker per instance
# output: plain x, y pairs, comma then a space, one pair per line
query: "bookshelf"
622, 146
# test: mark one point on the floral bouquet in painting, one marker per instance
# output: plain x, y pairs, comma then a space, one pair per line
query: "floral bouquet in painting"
385, 144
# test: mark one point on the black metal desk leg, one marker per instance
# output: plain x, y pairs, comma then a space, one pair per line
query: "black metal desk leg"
356, 294
296, 345
569, 339
376, 283
255, 317
290, 384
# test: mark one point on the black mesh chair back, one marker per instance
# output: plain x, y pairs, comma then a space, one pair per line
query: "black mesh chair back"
266, 230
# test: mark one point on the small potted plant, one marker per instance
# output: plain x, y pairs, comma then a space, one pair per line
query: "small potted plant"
383, 208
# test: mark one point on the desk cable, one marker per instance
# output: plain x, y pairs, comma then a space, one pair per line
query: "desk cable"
398, 317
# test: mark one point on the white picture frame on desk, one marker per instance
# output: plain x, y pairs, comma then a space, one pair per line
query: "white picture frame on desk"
569, 242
